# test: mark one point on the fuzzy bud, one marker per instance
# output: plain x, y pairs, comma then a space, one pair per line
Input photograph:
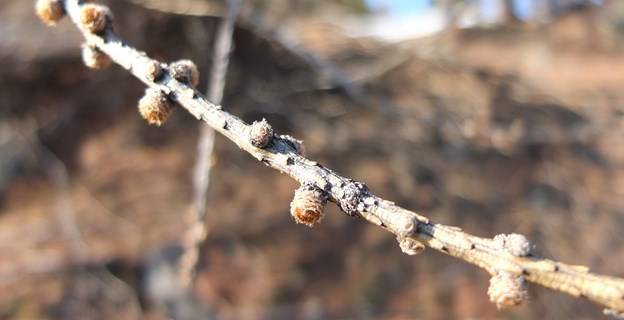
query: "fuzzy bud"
49, 11
185, 71
260, 133
507, 290
94, 17
94, 58
307, 205
150, 69
155, 106
516, 244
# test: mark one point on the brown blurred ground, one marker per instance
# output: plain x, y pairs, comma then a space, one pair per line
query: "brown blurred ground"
511, 129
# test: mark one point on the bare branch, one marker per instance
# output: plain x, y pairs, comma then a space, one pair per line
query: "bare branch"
221, 56
499, 257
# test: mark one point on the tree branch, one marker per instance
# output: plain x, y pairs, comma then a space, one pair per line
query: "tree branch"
501, 256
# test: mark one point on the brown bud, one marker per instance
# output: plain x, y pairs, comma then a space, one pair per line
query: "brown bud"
515, 244
155, 106
260, 133
507, 290
49, 11
94, 58
185, 71
307, 205
94, 17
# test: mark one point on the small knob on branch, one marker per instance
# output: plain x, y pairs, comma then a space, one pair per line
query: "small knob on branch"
507, 290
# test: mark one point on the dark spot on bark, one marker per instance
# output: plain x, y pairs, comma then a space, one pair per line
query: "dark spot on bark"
445, 249
351, 196
472, 246
159, 77
226, 125
290, 161
556, 269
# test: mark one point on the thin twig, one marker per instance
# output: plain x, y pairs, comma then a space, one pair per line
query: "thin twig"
196, 233
355, 199
221, 58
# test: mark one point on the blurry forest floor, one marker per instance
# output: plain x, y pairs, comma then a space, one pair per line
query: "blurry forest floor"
496, 130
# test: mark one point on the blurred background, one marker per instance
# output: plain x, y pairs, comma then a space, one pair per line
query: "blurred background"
496, 116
